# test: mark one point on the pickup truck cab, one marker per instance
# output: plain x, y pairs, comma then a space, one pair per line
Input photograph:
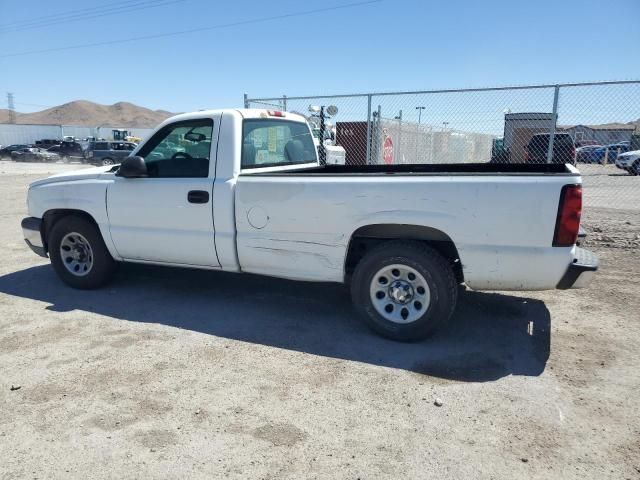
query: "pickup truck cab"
243, 191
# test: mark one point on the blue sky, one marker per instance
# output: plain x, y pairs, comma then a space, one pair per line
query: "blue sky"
382, 46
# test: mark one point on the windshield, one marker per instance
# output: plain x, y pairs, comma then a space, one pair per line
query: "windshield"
272, 142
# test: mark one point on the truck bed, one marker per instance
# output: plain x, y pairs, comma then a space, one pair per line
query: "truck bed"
501, 218
433, 169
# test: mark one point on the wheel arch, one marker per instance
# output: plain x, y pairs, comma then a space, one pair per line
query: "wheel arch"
369, 236
52, 216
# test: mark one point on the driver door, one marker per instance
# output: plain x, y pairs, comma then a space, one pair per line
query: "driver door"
168, 216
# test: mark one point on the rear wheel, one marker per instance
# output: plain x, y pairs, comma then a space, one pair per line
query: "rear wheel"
107, 161
78, 253
404, 290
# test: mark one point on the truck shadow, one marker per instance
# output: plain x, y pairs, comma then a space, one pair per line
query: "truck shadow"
490, 336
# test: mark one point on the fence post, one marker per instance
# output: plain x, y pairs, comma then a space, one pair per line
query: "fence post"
246, 101
284, 103
367, 159
552, 133
377, 135
399, 139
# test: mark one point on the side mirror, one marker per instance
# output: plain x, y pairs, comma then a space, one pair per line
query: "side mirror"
132, 167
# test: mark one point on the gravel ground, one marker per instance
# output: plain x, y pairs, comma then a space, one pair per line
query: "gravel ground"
192, 374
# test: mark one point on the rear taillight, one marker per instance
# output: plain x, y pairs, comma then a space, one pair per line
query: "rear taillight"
568, 220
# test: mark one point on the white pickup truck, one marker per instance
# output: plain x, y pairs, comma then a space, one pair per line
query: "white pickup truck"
242, 191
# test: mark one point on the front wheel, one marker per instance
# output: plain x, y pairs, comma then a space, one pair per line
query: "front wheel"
78, 253
635, 168
404, 290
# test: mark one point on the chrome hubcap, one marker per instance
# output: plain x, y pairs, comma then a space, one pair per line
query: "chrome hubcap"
76, 254
399, 293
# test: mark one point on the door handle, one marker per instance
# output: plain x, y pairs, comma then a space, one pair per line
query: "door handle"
198, 196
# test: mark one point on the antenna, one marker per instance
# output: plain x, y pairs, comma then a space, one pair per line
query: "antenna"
12, 108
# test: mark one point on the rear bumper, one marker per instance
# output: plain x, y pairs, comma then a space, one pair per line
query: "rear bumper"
581, 271
33, 236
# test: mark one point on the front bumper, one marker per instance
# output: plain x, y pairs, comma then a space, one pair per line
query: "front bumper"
33, 236
581, 271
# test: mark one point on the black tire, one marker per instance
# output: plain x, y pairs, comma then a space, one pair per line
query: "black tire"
635, 168
106, 162
103, 264
434, 269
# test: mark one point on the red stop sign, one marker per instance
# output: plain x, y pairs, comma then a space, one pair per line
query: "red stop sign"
387, 151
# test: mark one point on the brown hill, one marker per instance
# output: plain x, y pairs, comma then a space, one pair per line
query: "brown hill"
85, 113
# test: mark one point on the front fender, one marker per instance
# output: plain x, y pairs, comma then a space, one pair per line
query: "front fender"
87, 196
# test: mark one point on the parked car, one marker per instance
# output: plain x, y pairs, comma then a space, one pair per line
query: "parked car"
583, 154
585, 143
70, 150
564, 151
108, 153
235, 200
47, 143
610, 152
629, 161
5, 153
34, 154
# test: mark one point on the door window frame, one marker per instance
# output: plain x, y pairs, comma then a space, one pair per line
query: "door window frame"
161, 134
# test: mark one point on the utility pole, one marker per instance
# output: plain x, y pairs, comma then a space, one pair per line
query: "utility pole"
12, 108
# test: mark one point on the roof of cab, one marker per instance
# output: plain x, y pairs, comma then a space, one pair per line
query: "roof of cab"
243, 112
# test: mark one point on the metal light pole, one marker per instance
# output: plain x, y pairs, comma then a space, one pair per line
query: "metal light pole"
418, 130
321, 148
445, 125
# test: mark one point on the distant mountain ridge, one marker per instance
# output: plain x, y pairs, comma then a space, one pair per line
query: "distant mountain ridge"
121, 114
86, 113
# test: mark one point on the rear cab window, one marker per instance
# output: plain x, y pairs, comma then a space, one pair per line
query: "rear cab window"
269, 142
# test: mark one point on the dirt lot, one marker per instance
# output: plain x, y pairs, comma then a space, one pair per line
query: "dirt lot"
191, 374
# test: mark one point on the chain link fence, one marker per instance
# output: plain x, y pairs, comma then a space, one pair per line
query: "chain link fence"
534, 124
593, 125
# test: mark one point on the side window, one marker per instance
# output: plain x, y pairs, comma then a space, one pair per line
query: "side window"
181, 149
270, 142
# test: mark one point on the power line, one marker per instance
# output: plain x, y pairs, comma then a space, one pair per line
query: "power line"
194, 30
65, 14
133, 6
